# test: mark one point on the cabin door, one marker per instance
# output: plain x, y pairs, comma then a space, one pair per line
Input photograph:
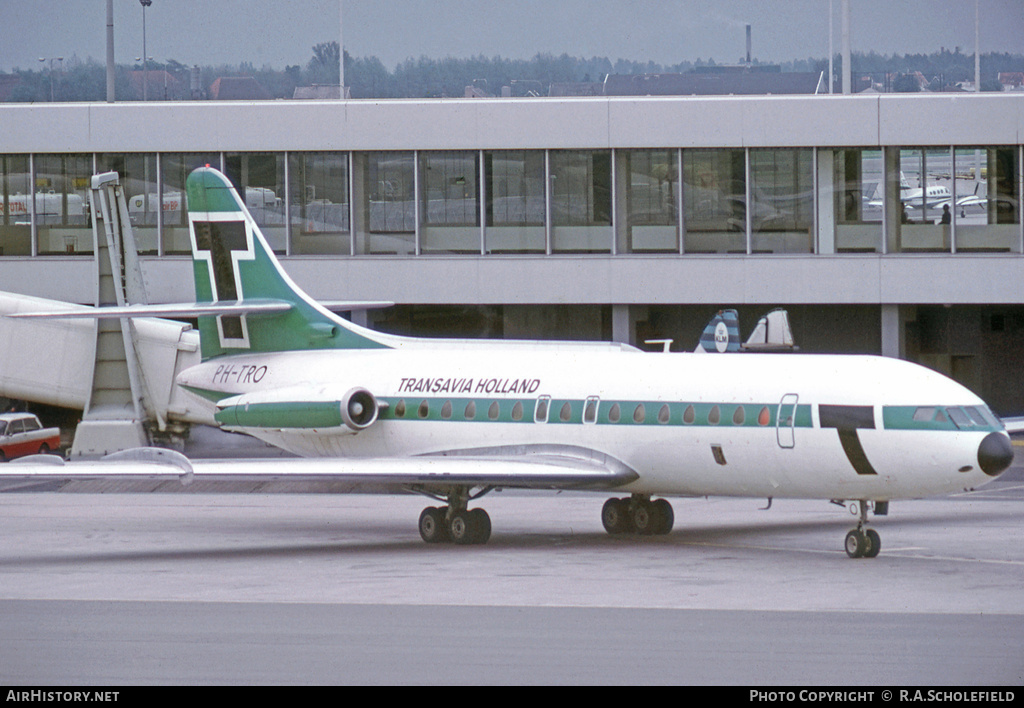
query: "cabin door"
785, 421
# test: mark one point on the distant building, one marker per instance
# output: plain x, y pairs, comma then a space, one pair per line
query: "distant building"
1012, 80
318, 92
238, 88
162, 85
724, 82
8, 83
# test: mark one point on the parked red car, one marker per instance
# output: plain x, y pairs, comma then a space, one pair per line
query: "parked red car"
22, 434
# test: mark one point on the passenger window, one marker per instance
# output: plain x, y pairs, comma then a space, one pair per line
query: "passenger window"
424, 409
764, 417
493, 411
739, 416
470, 412
3, 428
566, 413
517, 411
715, 415
590, 410
540, 413
664, 414
446, 410
689, 415
639, 413
614, 414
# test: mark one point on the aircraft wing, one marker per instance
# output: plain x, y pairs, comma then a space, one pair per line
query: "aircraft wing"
434, 472
1013, 425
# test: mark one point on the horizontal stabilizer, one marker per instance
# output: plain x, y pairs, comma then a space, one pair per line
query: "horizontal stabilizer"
195, 309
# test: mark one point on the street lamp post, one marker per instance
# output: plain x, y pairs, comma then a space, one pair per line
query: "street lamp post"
145, 65
51, 60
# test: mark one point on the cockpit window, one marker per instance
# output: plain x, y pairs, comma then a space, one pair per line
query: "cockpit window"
925, 414
959, 417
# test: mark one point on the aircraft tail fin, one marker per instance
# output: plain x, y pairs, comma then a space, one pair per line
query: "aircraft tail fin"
722, 334
772, 333
233, 263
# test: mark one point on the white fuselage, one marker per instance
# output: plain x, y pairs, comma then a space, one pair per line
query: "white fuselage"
688, 424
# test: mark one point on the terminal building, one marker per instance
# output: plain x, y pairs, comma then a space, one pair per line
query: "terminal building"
887, 224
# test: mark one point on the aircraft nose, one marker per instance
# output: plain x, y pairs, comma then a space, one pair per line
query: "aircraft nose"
995, 453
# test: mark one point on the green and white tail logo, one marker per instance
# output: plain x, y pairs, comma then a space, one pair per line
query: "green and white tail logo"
223, 240
233, 266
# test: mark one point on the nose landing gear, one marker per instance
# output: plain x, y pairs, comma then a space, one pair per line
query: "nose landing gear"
862, 542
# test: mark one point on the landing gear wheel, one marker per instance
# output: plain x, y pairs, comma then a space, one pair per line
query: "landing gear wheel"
856, 544
482, 522
874, 543
470, 527
615, 516
645, 518
666, 517
434, 525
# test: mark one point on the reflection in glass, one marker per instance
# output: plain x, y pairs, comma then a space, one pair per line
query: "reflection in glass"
782, 195
175, 169
388, 219
652, 221
137, 173
62, 183
259, 179
450, 202
581, 206
15, 226
924, 188
319, 196
714, 193
987, 208
514, 187
857, 200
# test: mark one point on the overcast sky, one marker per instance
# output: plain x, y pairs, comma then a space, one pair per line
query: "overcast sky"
282, 32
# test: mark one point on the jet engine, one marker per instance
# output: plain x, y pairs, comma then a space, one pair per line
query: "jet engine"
359, 409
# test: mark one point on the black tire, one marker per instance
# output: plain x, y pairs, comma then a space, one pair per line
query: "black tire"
462, 528
615, 516
644, 518
433, 525
481, 523
666, 518
855, 544
873, 542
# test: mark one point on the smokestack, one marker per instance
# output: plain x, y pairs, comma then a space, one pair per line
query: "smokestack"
748, 44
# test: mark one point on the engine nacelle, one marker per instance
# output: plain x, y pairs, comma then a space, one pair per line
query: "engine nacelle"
359, 409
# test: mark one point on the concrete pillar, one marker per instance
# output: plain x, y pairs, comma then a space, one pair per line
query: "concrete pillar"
622, 325
892, 332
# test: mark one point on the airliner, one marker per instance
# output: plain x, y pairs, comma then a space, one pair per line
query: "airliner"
455, 420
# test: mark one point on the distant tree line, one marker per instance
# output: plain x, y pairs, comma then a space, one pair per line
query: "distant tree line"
367, 77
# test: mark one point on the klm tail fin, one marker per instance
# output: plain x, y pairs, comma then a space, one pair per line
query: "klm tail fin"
233, 266
722, 333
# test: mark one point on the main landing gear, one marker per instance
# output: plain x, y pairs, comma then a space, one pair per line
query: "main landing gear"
638, 514
862, 542
455, 523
